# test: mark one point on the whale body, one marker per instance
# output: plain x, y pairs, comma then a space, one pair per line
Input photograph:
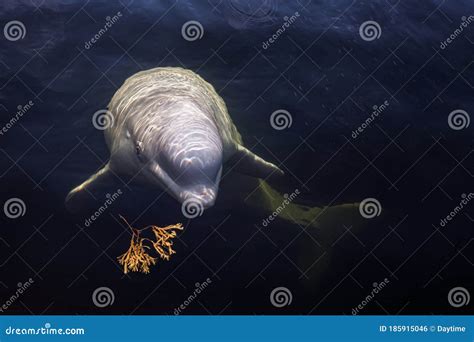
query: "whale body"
169, 128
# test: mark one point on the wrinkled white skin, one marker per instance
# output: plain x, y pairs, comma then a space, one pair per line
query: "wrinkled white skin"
173, 130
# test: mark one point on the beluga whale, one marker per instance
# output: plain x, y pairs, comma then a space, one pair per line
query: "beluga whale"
170, 129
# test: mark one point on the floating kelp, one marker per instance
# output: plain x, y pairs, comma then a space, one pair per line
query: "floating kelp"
137, 257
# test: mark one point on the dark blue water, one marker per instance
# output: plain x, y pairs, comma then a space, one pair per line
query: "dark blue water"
326, 76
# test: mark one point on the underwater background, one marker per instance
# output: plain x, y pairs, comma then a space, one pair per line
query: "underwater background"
314, 62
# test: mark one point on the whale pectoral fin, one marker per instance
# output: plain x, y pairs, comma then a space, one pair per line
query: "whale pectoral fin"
81, 194
246, 162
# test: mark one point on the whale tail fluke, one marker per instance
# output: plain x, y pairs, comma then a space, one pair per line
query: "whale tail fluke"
248, 163
81, 195
326, 222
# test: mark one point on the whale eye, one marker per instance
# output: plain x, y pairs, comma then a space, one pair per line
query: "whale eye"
139, 148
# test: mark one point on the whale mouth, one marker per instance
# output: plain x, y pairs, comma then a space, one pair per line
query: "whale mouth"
203, 194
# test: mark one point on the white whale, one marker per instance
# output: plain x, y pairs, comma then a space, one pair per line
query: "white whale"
170, 128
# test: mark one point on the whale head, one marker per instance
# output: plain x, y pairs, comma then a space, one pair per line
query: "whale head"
184, 157
171, 129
